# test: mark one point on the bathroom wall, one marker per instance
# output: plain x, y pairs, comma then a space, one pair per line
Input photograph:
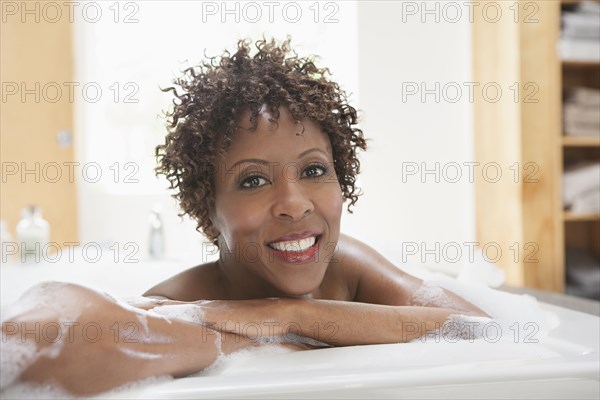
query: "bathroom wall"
371, 53
409, 214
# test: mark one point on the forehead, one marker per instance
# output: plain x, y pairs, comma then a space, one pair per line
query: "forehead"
282, 137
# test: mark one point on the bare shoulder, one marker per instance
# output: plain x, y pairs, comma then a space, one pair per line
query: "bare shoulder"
201, 282
377, 280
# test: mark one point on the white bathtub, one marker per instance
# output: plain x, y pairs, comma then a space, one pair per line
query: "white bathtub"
563, 364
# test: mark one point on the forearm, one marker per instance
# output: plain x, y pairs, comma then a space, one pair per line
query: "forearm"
344, 323
337, 323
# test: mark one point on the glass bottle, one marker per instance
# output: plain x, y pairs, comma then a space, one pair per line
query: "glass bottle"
157, 240
33, 233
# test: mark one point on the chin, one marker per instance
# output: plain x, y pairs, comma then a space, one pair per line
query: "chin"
299, 291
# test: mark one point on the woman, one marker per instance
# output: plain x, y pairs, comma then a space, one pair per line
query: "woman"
262, 150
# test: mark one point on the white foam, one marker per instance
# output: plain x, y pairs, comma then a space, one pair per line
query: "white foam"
139, 354
430, 294
36, 391
143, 315
185, 312
29, 390
16, 356
519, 316
43, 295
458, 327
143, 302
480, 270
219, 344
17, 353
144, 322
223, 362
139, 384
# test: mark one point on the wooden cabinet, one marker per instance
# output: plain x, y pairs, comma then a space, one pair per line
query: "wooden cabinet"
36, 65
525, 217
581, 231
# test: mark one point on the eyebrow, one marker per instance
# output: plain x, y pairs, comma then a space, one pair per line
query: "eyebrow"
265, 162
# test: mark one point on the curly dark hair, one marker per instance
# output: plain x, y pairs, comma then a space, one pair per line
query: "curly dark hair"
214, 95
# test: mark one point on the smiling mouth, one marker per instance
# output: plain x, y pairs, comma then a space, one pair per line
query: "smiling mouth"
295, 246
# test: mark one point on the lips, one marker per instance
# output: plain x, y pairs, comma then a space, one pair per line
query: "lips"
295, 248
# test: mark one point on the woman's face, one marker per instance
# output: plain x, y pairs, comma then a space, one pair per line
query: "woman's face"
278, 204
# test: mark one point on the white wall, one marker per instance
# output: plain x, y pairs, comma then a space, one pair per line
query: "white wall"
370, 51
396, 47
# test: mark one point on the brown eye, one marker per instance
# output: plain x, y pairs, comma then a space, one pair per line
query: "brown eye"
253, 182
315, 171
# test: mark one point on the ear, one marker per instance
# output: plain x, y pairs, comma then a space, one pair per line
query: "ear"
212, 231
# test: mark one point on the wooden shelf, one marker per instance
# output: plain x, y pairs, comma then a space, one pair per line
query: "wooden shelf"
568, 217
580, 64
579, 141
568, 2
525, 132
532, 213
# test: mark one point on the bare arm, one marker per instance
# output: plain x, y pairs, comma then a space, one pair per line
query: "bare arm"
102, 344
378, 281
121, 344
338, 323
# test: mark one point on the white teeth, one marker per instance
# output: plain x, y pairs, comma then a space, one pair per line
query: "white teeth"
294, 245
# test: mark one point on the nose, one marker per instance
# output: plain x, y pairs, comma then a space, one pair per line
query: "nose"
291, 202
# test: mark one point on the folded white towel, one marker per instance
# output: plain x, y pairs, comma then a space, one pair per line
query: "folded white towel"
579, 50
580, 25
586, 115
587, 202
580, 179
581, 120
589, 7
585, 96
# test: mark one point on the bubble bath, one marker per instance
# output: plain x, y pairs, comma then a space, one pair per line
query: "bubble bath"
185, 312
512, 316
458, 327
54, 391
17, 354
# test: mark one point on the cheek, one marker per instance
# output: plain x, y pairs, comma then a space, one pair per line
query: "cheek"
330, 203
239, 221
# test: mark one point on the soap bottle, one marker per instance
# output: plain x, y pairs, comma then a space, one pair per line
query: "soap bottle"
33, 233
157, 239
